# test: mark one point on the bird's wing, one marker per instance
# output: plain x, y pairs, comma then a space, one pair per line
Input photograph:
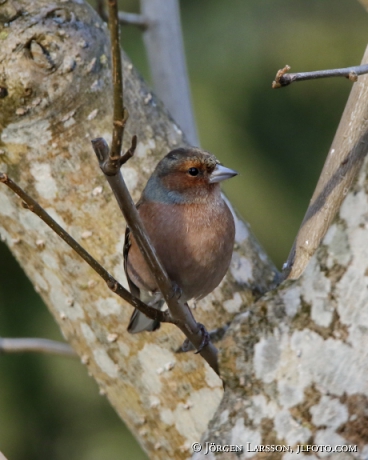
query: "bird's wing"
139, 321
127, 243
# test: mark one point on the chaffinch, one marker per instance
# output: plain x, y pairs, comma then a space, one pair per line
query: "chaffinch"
190, 226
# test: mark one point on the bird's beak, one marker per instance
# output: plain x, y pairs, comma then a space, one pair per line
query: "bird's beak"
221, 173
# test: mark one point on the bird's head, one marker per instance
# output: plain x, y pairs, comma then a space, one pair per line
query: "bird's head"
187, 175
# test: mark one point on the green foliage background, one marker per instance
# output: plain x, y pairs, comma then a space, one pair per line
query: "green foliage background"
277, 140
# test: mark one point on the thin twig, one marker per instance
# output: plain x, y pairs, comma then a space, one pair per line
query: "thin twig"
283, 78
110, 166
180, 312
32, 205
129, 153
133, 219
120, 115
36, 345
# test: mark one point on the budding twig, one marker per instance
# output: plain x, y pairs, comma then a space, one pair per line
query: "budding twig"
283, 78
120, 115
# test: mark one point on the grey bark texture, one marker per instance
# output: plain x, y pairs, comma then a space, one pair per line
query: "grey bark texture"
295, 363
57, 96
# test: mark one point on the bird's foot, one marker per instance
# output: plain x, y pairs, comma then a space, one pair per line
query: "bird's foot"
205, 338
215, 336
188, 346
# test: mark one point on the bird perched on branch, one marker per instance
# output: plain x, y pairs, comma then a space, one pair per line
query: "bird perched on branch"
190, 226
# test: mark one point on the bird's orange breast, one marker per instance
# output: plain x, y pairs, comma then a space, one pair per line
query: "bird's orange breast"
193, 241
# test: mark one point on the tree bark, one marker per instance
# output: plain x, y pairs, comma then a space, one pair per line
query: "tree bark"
55, 96
295, 364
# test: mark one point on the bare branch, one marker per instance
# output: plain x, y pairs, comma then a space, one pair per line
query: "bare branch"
130, 152
109, 161
120, 115
26, 345
180, 312
32, 205
283, 78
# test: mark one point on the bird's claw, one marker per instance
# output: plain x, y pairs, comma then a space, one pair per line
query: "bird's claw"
215, 336
188, 346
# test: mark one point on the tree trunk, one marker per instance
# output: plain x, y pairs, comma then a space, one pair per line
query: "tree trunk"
55, 96
296, 363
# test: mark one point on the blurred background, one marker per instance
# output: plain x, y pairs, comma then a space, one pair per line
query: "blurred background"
276, 139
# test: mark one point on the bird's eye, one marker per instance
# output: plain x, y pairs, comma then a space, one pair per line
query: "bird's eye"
193, 171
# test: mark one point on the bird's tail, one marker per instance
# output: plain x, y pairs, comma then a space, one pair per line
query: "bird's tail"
139, 322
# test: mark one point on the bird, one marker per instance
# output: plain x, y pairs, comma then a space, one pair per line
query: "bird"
190, 226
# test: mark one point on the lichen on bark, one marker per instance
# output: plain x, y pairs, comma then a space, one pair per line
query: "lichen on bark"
55, 67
